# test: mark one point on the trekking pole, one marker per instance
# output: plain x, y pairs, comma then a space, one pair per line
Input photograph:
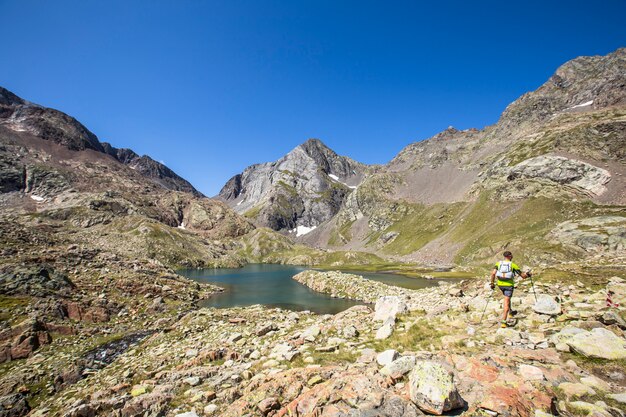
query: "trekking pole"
486, 304
530, 275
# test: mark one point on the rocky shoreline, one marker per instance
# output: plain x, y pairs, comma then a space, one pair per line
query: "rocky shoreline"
423, 352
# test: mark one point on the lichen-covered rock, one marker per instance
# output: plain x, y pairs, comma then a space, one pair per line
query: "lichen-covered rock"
598, 343
399, 367
432, 388
565, 335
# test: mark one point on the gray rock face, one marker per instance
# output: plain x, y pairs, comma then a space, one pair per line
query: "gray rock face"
36, 280
599, 79
587, 177
304, 188
48, 124
595, 234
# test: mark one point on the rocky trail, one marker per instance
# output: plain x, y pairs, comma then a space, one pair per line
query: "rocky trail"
416, 352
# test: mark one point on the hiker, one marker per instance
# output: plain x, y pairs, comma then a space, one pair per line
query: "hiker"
505, 271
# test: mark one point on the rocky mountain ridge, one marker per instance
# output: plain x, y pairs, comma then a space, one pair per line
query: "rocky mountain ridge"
45, 123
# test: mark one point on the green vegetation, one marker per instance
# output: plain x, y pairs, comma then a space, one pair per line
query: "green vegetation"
253, 212
490, 226
421, 335
341, 235
421, 225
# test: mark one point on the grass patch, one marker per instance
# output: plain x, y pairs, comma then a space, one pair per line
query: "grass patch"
492, 226
421, 225
253, 212
421, 335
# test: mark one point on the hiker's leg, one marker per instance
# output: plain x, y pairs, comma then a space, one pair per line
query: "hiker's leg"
507, 307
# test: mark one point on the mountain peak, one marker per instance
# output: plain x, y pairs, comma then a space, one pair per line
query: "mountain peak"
7, 98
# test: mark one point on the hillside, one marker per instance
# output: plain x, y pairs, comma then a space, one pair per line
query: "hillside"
548, 179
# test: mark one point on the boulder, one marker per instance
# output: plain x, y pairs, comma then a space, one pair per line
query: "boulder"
432, 388
386, 357
612, 317
38, 280
575, 390
283, 351
399, 367
311, 333
547, 305
385, 331
620, 398
560, 170
565, 335
350, 332
14, 405
595, 383
389, 307
598, 343
587, 409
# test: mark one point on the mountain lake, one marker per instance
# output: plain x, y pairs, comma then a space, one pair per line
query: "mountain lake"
271, 285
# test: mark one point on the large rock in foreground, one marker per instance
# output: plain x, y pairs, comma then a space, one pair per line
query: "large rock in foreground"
432, 388
599, 343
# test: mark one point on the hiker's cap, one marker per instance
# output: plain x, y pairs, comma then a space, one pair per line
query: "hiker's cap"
507, 254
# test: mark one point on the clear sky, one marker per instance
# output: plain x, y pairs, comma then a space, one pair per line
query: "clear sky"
210, 87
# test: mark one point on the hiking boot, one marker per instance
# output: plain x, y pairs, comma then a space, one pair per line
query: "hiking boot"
504, 325
513, 312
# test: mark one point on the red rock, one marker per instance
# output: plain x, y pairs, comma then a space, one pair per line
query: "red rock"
5, 353
60, 329
23, 346
514, 401
96, 315
74, 311
268, 404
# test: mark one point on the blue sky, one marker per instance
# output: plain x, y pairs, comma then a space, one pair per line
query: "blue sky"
210, 87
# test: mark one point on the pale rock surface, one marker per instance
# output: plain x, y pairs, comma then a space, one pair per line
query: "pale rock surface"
547, 305
386, 357
389, 307
599, 343
399, 367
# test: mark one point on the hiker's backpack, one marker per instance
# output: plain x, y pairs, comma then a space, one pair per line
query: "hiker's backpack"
505, 270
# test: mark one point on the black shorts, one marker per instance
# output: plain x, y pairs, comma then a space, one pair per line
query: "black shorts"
507, 291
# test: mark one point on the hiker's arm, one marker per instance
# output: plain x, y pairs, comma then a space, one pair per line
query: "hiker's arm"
493, 278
